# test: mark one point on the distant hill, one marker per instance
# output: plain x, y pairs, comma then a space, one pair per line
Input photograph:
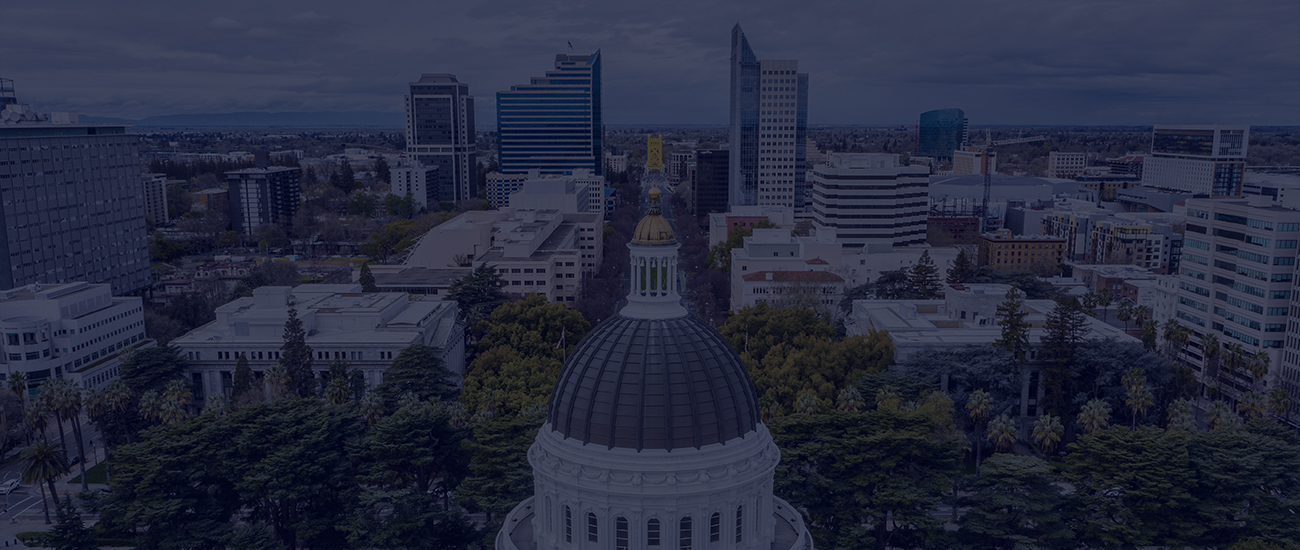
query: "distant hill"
318, 119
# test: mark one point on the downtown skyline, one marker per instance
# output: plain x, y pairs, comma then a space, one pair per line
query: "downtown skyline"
1010, 63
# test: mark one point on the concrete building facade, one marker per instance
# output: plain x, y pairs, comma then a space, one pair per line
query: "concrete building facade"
871, 199
418, 181
554, 123
263, 196
1065, 165
1204, 160
769, 126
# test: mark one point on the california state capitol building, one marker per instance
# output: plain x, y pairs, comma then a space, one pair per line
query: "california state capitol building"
653, 437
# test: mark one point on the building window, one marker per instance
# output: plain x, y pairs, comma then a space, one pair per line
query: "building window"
652, 532
684, 536
620, 533
592, 532
568, 524
715, 527
740, 523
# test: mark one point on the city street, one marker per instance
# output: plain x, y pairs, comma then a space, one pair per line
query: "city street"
23, 510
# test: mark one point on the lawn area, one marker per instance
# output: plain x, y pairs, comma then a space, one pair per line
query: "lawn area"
96, 474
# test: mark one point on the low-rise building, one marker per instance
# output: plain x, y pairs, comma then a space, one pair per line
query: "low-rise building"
871, 199
1065, 165
814, 289
76, 330
970, 160
967, 315
536, 251
342, 323
589, 188
1006, 252
419, 181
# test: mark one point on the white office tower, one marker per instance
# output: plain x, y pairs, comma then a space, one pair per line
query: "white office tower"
418, 181
871, 199
653, 438
1205, 160
1235, 282
769, 127
76, 331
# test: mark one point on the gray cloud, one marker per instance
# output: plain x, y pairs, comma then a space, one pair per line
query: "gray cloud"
1005, 62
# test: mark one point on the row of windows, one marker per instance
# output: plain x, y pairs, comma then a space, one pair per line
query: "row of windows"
653, 532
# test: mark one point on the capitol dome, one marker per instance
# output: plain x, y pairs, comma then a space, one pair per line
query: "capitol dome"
653, 438
654, 384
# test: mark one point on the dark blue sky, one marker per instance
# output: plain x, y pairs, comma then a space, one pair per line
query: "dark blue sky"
1004, 62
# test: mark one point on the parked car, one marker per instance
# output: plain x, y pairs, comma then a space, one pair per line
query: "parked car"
8, 486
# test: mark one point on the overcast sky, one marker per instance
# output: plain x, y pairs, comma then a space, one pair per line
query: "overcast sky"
665, 62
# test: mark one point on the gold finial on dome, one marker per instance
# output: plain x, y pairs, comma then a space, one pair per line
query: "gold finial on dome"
654, 228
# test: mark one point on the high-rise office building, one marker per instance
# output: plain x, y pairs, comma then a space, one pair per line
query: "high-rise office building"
1235, 282
769, 127
440, 132
73, 205
711, 177
553, 123
263, 196
941, 132
419, 181
155, 198
871, 199
1205, 160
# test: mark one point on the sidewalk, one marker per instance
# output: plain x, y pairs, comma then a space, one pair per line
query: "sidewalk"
26, 513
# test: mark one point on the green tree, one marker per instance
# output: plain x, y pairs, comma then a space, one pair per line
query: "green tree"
923, 278
1003, 433
69, 533
382, 171
243, 389
296, 356
68, 402
44, 464
367, 279
979, 406
962, 268
1011, 318
719, 257
1253, 404
1048, 431
1014, 504
336, 389
419, 372
478, 294
867, 479
1066, 326
500, 476
1094, 415
1138, 394
1181, 416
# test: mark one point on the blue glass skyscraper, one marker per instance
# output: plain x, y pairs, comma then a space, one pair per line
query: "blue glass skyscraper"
941, 132
553, 123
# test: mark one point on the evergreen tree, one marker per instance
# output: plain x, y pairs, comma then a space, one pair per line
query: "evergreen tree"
367, 279
1015, 329
295, 356
243, 381
1066, 326
419, 372
69, 533
382, 172
962, 268
923, 278
477, 294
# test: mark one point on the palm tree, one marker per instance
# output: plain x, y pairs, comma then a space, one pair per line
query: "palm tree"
176, 400
337, 391
372, 408
1125, 313
1003, 432
18, 385
1212, 351
1221, 416
888, 398
151, 406
1139, 395
53, 403
979, 404
1176, 337
1279, 403
1094, 415
1257, 364
807, 403
1253, 405
1047, 433
43, 464
38, 416
69, 400
849, 400
1181, 417
217, 405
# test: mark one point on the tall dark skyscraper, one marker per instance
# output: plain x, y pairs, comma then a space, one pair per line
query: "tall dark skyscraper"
710, 186
769, 126
440, 132
554, 123
941, 132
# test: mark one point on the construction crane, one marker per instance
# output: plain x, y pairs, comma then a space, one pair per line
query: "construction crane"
986, 223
